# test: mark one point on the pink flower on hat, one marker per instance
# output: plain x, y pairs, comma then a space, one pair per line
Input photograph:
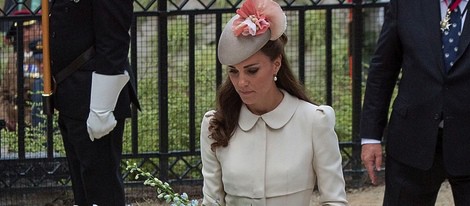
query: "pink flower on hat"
257, 16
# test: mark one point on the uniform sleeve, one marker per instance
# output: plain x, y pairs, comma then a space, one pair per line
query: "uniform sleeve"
213, 190
327, 159
111, 21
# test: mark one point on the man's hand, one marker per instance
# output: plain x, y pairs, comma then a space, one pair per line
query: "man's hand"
372, 159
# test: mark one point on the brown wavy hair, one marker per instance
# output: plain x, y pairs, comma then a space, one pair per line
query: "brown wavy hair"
225, 120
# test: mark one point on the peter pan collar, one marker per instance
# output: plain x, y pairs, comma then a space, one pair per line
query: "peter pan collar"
274, 119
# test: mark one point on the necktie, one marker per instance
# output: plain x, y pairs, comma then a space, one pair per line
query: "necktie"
450, 39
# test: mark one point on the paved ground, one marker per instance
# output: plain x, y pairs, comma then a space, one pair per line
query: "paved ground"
373, 196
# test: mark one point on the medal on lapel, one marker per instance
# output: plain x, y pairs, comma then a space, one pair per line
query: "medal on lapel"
445, 23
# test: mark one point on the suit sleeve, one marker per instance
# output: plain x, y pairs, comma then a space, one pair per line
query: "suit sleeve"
383, 74
111, 21
213, 190
327, 159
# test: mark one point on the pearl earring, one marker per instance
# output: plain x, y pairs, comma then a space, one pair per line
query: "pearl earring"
275, 78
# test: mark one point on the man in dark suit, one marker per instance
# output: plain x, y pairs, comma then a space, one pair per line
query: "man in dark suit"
428, 133
94, 100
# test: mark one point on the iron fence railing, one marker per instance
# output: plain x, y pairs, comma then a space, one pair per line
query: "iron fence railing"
173, 54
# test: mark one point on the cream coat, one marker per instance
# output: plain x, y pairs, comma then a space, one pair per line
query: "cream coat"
275, 159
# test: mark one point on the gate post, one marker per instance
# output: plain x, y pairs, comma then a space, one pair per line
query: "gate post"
163, 88
357, 44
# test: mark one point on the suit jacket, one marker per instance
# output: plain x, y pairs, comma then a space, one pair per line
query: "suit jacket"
410, 42
276, 158
74, 27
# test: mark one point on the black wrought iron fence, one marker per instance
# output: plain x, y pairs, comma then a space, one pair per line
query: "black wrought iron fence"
173, 54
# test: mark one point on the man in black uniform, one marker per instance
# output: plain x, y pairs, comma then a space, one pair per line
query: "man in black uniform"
94, 99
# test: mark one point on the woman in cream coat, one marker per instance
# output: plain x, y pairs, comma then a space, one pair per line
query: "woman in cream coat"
266, 144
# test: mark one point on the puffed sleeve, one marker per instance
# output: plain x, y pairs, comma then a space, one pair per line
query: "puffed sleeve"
213, 189
327, 159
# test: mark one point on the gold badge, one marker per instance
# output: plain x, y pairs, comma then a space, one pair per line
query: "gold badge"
445, 23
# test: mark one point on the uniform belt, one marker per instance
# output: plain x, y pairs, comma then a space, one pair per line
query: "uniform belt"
74, 65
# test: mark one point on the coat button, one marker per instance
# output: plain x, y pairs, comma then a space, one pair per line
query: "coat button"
437, 116
53, 34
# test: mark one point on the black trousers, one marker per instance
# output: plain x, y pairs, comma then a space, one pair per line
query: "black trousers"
408, 186
94, 165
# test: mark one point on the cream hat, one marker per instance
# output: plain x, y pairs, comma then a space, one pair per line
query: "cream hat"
256, 22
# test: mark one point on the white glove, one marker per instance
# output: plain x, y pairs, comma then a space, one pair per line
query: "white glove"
105, 90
